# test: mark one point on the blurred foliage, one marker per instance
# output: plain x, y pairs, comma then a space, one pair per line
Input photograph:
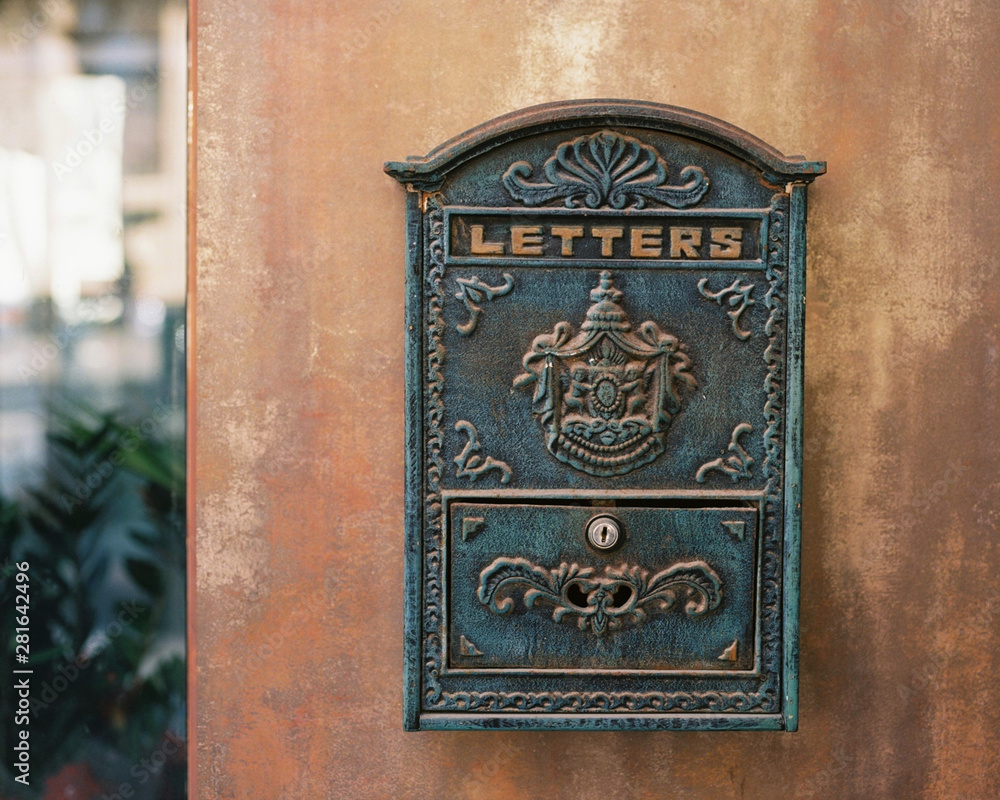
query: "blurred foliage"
103, 534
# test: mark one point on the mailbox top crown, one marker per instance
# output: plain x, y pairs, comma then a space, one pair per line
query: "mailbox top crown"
427, 172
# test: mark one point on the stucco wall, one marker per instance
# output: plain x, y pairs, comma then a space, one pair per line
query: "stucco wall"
297, 430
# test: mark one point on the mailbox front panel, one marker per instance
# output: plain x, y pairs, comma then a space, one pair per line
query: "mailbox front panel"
604, 383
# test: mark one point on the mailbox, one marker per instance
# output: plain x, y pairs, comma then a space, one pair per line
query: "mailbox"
604, 320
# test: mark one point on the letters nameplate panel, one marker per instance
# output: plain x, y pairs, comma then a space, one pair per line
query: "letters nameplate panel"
603, 422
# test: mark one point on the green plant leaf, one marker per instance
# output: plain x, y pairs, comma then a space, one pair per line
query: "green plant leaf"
146, 575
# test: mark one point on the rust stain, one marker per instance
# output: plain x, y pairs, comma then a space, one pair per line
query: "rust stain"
298, 420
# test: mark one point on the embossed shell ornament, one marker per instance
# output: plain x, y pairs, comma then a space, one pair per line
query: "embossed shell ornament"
605, 168
605, 397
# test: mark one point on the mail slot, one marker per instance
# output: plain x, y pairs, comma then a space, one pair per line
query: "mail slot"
643, 593
605, 309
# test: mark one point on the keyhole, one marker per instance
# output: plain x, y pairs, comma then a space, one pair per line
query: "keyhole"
603, 532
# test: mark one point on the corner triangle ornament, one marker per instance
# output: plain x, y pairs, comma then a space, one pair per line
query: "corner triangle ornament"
605, 397
605, 169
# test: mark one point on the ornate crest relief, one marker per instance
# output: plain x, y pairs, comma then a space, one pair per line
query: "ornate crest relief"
606, 396
605, 169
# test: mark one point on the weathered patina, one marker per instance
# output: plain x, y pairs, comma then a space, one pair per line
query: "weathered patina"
604, 392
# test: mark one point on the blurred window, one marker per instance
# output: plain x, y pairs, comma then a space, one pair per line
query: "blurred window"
92, 386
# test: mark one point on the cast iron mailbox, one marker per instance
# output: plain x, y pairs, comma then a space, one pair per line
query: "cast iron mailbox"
604, 390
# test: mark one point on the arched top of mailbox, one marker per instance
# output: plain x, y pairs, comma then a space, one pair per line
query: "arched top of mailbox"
428, 171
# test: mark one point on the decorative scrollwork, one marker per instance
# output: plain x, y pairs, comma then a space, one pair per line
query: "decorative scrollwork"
765, 695
433, 540
470, 463
605, 169
474, 291
739, 298
601, 603
735, 466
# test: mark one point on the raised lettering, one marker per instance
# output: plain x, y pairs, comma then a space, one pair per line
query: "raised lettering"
567, 235
526, 240
683, 242
726, 243
480, 248
607, 237
647, 242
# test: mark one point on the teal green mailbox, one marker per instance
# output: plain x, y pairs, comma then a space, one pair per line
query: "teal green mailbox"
605, 305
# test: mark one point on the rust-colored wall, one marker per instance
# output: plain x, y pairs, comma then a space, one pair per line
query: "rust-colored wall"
298, 422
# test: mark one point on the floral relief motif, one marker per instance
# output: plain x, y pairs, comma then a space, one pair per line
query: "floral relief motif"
470, 463
601, 603
605, 169
473, 292
739, 298
735, 466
